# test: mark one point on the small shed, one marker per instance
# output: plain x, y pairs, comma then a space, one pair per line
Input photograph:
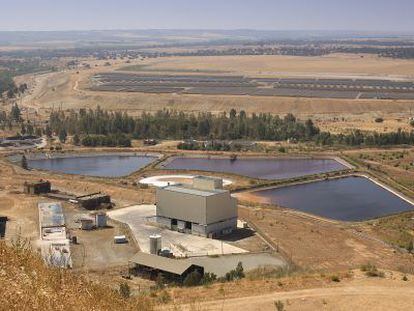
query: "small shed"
175, 270
39, 187
101, 220
86, 223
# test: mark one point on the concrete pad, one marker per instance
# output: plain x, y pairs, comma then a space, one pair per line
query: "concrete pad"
140, 219
170, 180
223, 264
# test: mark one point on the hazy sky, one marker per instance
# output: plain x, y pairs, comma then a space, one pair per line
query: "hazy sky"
379, 15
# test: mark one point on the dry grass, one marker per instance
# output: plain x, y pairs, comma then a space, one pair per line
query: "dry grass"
333, 65
27, 284
321, 245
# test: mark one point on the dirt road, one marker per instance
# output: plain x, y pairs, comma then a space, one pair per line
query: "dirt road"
389, 296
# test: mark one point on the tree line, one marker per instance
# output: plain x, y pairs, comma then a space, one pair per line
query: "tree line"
97, 127
166, 124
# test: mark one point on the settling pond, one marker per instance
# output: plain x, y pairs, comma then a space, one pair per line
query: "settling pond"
107, 165
346, 199
263, 168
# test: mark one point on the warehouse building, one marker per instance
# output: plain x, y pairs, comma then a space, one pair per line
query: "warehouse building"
151, 266
204, 208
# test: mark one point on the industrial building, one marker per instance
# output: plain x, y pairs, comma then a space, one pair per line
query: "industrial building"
204, 208
171, 269
39, 187
94, 201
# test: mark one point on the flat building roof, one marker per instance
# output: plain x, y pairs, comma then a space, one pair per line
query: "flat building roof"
193, 191
51, 215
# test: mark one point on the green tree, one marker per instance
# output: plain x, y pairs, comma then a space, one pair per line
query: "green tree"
48, 131
76, 139
23, 163
62, 135
16, 113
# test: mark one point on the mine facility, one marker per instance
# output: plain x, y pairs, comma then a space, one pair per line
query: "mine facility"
204, 208
54, 244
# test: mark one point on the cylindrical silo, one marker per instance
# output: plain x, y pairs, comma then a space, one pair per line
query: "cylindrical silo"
155, 244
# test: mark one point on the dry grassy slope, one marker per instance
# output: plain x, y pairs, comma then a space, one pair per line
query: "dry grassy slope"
27, 284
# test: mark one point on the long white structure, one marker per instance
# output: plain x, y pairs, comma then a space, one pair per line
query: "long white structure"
54, 244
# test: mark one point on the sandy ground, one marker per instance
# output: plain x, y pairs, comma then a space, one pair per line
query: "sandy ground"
391, 295
140, 219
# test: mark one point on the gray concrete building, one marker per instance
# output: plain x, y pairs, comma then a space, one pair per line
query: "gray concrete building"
204, 208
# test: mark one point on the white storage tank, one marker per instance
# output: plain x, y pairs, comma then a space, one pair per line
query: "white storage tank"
101, 220
155, 244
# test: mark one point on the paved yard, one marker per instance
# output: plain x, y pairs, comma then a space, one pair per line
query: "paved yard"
140, 219
223, 264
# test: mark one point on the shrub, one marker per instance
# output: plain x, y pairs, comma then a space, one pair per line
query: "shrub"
335, 278
235, 274
371, 270
164, 297
193, 279
208, 278
159, 282
124, 290
379, 120
405, 278
279, 306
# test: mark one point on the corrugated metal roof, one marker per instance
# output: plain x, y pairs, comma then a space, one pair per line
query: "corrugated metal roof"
51, 215
192, 191
175, 266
